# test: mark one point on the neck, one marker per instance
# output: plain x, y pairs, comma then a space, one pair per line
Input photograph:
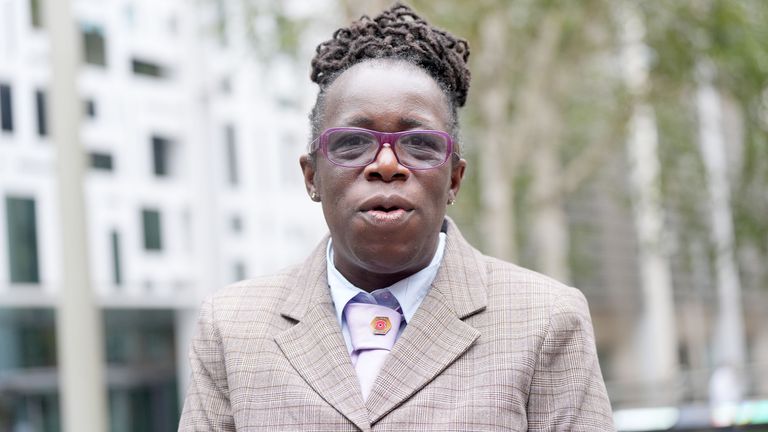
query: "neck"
370, 276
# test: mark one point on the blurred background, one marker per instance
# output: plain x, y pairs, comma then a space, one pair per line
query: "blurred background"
149, 155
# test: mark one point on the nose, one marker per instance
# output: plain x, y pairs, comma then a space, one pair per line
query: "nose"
386, 167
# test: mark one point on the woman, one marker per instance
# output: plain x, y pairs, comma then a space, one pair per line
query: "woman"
394, 322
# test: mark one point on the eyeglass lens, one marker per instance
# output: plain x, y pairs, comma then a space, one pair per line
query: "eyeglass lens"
359, 148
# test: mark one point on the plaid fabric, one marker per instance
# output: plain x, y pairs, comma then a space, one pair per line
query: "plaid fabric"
492, 347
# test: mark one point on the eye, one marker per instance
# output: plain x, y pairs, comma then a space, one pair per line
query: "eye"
350, 144
422, 147
347, 142
423, 142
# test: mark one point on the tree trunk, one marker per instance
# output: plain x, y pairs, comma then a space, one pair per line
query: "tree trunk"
496, 176
657, 329
730, 344
550, 223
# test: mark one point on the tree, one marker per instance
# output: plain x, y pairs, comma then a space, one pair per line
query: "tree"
534, 86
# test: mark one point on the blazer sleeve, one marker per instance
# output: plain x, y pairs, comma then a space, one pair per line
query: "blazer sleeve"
567, 390
207, 406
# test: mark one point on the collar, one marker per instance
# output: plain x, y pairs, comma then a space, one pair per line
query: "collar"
409, 292
461, 282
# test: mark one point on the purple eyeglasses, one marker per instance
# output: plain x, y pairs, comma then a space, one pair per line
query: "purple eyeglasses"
414, 149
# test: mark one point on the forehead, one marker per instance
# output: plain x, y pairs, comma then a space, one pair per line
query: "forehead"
386, 95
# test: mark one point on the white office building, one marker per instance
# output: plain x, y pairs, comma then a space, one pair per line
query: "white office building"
192, 136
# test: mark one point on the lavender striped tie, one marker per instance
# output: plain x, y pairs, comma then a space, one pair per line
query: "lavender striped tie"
373, 331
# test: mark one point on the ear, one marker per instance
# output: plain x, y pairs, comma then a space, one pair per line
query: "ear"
309, 171
457, 175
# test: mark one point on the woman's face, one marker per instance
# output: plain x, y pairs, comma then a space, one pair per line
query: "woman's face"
384, 219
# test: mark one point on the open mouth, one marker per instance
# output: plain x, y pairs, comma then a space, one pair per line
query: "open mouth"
386, 209
389, 209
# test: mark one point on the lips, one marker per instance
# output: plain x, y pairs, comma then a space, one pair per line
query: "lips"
386, 209
386, 203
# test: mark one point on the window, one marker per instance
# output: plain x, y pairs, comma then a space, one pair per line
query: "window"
41, 111
101, 161
22, 239
161, 149
94, 46
28, 338
236, 222
117, 276
35, 14
230, 142
225, 85
173, 25
147, 68
6, 108
90, 108
152, 229
140, 342
239, 271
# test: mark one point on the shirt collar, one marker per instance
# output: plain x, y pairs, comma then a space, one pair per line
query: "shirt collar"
409, 292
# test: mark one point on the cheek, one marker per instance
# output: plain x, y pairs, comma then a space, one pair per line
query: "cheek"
440, 185
334, 183
436, 194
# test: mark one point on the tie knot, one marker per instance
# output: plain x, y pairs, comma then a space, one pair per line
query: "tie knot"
372, 326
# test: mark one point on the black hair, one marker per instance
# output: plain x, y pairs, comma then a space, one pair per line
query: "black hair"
397, 33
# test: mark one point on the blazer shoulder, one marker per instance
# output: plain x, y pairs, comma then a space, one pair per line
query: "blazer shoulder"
256, 293
511, 279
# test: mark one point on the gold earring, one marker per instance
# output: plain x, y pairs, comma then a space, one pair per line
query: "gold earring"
314, 196
451, 201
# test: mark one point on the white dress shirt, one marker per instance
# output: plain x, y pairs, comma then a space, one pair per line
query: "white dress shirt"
408, 293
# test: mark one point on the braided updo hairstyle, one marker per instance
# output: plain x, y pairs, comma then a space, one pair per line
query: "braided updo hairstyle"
397, 33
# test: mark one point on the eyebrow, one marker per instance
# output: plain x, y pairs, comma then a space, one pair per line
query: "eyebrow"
367, 123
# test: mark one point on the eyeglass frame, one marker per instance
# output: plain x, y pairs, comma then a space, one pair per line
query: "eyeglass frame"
383, 138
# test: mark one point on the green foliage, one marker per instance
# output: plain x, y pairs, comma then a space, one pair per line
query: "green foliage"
584, 89
585, 83
732, 35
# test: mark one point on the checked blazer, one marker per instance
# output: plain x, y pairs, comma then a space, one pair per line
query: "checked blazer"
492, 347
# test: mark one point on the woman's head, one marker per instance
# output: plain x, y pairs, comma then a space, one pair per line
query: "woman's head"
385, 211
397, 33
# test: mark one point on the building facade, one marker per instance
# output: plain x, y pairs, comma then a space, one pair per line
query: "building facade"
193, 182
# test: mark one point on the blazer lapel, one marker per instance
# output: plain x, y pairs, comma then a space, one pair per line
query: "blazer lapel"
433, 339
315, 346
437, 334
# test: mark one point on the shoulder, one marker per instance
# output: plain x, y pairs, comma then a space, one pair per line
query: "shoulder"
532, 303
516, 293
245, 298
518, 284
